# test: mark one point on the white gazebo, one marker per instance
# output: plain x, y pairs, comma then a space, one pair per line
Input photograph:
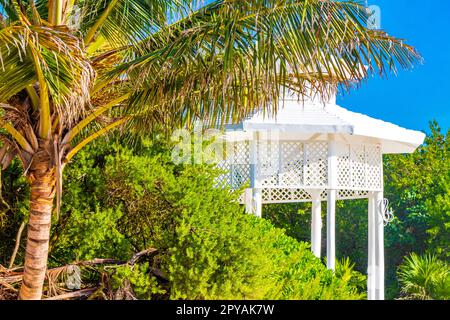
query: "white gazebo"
312, 151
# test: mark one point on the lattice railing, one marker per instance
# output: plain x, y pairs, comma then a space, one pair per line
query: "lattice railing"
279, 195
274, 195
360, 167
237, 166
295, 165
316, 164
292, 164
345, 194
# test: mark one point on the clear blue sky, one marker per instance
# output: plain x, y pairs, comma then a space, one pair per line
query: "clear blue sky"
413, 98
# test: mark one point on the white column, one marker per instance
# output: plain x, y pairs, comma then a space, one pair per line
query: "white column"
331, 230
256, 196
379, 245
257, 202
316, 224
371, 274
331, 202
248, 200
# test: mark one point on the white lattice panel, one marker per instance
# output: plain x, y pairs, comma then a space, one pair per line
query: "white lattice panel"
373, 168
345, 194
352, 194
291, 166
344, 170
236, 165
316, 166
297, 165
278, 195
360, 167
268, 164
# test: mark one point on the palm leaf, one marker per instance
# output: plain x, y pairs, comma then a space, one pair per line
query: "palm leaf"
232, 57
59, 55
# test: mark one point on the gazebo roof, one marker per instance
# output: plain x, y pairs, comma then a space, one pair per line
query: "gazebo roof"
299, 119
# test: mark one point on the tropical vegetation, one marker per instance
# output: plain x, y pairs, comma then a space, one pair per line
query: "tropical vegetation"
198, 241
417, 187
75, 70
424, 278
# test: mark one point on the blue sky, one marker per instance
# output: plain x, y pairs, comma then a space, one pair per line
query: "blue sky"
413, 98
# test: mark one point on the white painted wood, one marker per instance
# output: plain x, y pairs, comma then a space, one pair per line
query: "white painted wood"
316, 224
331, 230
379, 245
254, 197
248, 200
331, 202
253, 149
312, 117
371, 261
332, 162
257, 202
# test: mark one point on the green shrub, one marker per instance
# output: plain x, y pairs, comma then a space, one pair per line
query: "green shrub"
424, 278
135, 280
119, 200
208, 248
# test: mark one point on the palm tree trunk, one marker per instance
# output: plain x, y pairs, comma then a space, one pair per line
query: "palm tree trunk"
42, 181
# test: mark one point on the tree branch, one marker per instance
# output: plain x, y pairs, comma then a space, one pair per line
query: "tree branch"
17, 245
75, 294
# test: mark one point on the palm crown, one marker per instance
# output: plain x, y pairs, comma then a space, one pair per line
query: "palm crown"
72, 70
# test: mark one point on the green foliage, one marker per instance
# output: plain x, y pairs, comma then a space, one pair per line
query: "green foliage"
345, 270
351, 220
295, 218
304, 277
439, 221
88, 232
135, 278
120, 200
14, 211
424, 278
127, 200
418, 187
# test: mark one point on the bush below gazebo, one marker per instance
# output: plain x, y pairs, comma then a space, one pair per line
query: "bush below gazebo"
207, 247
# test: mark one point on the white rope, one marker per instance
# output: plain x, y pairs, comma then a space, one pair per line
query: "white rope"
386, 212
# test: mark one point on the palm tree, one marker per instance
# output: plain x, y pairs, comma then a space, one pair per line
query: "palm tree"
424, 278
73, 70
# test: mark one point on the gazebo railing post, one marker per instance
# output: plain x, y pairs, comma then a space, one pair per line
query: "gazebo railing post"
255, 193
248, 200
371, 259
257, 202
316, 222
379, 245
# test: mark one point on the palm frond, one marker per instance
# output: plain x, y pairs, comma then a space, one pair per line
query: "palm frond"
60, 56
231, 57
424, 277
121, 22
